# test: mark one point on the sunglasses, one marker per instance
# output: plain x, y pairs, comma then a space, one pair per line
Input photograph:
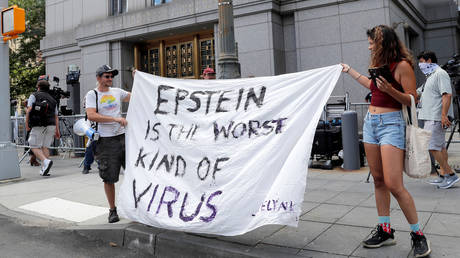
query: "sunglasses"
108, 76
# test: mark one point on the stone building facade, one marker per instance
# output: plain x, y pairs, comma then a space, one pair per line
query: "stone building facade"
177, 38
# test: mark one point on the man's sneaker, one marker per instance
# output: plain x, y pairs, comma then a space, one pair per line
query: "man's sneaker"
420, 244
113, 215
437, 181
42, 172
380, 238
47, 164
449, 181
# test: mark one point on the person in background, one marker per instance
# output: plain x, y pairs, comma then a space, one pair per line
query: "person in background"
43, 123
209, 74
384, 135
436, 99
32, 158
89, 150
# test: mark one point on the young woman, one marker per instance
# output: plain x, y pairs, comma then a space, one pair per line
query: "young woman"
384, 135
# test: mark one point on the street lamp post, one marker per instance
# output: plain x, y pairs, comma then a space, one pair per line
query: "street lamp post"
229, 67
9, 162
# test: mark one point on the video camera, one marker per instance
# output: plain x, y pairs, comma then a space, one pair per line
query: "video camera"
452, 66
57, 93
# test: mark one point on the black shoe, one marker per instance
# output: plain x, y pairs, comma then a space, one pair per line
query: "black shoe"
420, 244
380, 238
113, 215
33, 161
85, 170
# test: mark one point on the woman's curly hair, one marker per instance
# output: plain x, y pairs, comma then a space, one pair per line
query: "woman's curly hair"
388, 47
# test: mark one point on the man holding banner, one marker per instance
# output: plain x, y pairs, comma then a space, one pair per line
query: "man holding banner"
103, 105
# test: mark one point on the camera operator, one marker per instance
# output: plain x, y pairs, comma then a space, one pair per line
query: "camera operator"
436, 100
43, 122
33, 159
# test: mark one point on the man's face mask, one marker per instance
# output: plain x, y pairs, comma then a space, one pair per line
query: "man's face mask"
427, 68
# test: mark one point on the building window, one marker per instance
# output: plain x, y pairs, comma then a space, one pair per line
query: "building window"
117, 7
158, 2
154, 61
177, 57
186, 59
207, 54
179, 60
144, 60
171, 61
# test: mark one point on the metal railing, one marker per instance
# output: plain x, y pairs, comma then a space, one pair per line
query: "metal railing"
67, 144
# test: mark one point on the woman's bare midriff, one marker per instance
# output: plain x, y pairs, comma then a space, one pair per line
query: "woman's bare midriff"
381, 110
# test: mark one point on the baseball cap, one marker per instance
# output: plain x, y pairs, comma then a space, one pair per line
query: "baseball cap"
43, 78
106, 69
208, 70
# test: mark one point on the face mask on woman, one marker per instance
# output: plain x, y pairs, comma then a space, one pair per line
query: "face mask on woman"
427, 68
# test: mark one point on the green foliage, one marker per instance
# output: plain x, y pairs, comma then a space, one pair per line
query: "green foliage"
26, 63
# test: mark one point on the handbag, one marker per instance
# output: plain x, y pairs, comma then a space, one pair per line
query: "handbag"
417, 163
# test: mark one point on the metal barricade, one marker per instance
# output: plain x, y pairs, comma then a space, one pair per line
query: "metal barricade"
67, 144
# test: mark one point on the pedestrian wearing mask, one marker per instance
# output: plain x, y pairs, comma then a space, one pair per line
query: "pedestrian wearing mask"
435, 110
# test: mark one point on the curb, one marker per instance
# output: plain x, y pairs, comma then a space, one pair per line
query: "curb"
154, 241
167, 243
12, 180
30, 220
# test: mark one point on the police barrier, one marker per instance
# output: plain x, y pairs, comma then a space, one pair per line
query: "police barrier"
67, 144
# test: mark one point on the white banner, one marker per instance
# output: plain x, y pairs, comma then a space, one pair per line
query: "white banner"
221, 156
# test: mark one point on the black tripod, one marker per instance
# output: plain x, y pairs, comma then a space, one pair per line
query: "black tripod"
455, 122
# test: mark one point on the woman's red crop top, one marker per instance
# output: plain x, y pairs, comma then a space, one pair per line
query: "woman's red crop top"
382, 99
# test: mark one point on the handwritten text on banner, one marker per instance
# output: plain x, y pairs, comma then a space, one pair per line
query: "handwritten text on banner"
221, 156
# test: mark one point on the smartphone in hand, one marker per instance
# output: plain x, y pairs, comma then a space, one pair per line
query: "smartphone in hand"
383, 71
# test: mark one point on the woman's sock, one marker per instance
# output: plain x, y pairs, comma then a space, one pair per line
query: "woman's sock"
416, 229
384, 222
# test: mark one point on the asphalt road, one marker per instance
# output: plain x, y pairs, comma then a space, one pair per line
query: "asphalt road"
18, 240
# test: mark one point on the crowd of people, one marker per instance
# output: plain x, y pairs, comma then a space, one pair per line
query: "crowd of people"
383, 129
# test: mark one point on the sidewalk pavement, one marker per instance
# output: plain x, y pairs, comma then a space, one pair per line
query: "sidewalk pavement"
338, 212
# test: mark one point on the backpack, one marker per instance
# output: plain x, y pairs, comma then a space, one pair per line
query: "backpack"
42, 113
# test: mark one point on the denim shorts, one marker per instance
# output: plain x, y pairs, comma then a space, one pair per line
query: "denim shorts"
385, 128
